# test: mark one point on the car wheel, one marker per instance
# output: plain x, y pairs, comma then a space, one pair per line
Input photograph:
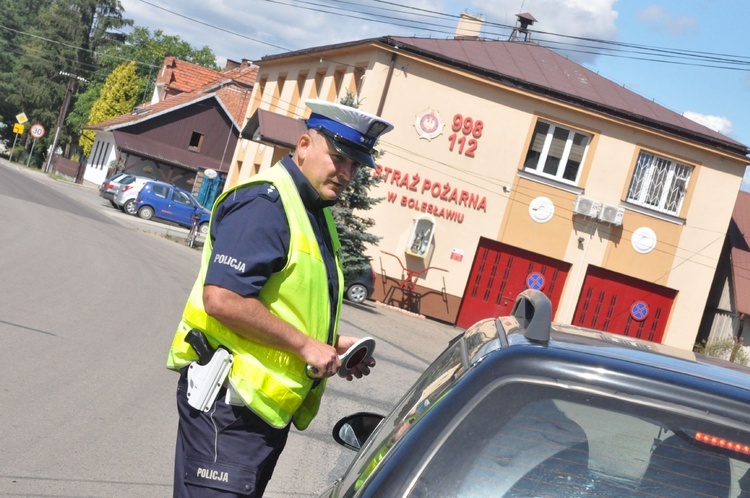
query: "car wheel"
203, 228
129, 207
357, 293
146, 212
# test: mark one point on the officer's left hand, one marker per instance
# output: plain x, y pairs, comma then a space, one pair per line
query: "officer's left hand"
363, 368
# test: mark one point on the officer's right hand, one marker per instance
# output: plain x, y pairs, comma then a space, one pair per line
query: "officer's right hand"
323, 359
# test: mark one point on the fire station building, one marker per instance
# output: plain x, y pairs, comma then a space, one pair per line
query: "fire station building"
512, 167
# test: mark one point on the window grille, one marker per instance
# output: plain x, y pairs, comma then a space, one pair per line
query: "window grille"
659, 183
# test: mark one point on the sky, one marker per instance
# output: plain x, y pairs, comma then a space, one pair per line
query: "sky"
691, 56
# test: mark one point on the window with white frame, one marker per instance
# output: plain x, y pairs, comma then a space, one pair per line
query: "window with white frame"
556, 152
659, 183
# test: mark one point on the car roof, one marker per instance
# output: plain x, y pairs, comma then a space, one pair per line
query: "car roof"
614, 351
649, 353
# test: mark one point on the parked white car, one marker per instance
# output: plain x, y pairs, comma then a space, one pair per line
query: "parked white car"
127, 191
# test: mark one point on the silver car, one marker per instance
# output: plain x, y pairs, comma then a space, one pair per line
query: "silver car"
109, 186
127, 191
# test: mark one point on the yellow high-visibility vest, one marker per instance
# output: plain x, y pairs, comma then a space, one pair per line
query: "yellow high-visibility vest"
271, 382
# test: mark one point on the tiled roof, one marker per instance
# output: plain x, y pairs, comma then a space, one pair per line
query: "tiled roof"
182, 76
739, 239
148, 111
232, 88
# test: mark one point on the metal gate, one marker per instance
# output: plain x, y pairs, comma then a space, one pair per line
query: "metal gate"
501, 272
624, 305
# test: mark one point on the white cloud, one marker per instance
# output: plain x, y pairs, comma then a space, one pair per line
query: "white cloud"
577, 18
663, 20
271, 28
717, 123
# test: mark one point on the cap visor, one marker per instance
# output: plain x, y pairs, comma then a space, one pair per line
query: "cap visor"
353, 152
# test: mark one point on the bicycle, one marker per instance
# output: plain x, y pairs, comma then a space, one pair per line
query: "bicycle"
193, 233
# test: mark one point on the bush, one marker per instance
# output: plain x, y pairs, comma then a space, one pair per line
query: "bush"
730, 350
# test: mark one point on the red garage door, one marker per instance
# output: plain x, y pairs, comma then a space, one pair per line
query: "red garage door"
624, 305
501, 272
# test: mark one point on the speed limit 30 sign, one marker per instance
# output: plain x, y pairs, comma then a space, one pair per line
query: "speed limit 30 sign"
36, 131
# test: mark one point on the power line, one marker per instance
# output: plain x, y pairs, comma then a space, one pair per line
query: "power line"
600, 47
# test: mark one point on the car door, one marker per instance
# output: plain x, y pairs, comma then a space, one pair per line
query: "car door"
181, 208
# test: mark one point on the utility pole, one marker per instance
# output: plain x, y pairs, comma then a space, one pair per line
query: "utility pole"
61, 118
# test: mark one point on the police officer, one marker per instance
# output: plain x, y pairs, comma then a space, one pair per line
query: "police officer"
269, 290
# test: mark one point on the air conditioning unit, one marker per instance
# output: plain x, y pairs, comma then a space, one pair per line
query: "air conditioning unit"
611, 214
586, 206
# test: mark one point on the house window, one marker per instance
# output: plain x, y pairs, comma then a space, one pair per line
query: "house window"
556, 152
659, 183
196, 140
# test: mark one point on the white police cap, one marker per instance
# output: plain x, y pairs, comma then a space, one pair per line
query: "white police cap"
351, 132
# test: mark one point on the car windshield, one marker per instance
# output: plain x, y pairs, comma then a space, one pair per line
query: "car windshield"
533, 439
434, 382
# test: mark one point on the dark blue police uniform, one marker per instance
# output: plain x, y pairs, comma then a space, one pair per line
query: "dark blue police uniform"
250, 225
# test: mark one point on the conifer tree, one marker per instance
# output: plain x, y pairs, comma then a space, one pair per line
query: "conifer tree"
118, 96
348, 213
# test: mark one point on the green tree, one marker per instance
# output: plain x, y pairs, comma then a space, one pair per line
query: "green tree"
348, 212
118, 95
51, 41
148, 52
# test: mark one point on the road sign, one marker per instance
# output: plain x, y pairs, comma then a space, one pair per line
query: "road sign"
18, 129
21, 118
36, 130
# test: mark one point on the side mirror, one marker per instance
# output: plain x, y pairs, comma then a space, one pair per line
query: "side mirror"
352, 431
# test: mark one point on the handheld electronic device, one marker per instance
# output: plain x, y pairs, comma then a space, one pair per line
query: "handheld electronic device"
353, 356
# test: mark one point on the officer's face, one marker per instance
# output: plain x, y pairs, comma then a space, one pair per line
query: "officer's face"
325, 168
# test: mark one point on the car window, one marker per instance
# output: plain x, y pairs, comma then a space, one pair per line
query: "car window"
181, 198
533, 439
431, 386
127, 180
160, 191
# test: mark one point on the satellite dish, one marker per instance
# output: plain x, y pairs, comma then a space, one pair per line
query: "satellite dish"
210, 174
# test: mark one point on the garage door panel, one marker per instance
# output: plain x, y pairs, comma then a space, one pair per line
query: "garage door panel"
616, 303
499, 273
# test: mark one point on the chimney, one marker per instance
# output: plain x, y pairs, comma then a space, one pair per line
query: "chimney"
469, 26
231, 65
522, 28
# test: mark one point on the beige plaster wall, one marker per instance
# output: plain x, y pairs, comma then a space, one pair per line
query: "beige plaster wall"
425, 177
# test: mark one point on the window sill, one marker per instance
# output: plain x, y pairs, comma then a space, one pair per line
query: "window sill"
550, 182
654, 214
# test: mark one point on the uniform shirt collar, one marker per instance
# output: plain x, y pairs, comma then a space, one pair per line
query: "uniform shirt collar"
310, 197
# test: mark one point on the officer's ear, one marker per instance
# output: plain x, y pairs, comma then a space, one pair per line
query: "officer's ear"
304, 144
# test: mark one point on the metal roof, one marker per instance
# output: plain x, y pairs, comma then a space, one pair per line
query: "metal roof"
539, 70
273, 129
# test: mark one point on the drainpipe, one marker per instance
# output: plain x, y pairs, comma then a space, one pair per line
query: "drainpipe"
387, 84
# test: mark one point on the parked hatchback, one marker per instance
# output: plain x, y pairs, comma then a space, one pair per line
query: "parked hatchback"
519, 406
109, 186
167, 202
126, 192
360, 287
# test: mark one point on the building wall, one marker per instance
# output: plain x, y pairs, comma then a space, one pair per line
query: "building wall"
103, 153
176, 128
480, 189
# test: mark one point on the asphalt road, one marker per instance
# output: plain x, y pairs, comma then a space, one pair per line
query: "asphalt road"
89, 302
